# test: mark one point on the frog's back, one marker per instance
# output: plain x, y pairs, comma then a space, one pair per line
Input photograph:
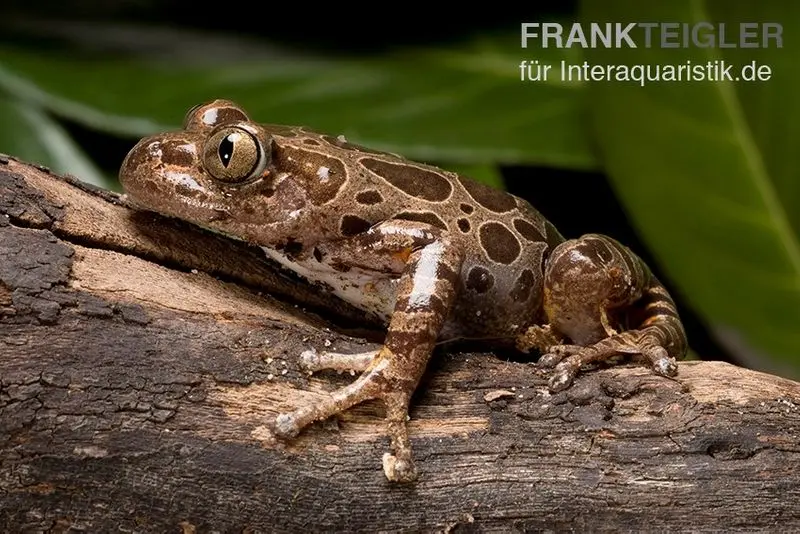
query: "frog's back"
504, 239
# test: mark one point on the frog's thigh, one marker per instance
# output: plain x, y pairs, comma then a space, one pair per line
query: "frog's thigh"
592, 286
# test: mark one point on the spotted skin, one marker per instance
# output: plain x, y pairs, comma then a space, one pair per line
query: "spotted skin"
431, 254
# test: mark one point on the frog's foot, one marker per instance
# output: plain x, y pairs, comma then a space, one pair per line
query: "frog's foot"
313, 361
567, 360
371, 385
604, 299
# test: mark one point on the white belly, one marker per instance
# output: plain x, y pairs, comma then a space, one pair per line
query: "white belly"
371, 292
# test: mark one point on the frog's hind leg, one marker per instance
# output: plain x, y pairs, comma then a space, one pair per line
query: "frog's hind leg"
602, 297
426, 290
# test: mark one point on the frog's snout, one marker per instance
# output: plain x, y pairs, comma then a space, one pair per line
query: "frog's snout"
155, 160
138, 175
163, 173
133, 160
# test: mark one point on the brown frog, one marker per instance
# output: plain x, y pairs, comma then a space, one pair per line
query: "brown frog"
429, 253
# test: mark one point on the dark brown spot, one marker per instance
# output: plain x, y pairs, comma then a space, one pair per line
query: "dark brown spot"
661, 309
595, 248
464, 225
423, 217
523, 286
446, 273
291, 247
433, 304
266, 189
322, 176
436, 305
230, 114
317, 254
369, 197
499, 243
490, 198
529, 231
312, 142
352, 225
176, 152
341, 143
414, 181
479, 280
340, 266
466, 208
212, 114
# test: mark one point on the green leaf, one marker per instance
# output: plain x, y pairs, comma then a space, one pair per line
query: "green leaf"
463, 104
29, 134
708, 171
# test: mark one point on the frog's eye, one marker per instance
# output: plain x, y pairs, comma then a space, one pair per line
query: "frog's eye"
234, 155
204, 117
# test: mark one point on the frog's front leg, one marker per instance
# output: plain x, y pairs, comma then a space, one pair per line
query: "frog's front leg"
603, 298
428, 264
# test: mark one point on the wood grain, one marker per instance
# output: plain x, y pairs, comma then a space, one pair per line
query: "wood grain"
141, 358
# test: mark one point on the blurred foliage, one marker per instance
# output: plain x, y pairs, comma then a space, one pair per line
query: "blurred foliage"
707, 171
456, 105
709, 174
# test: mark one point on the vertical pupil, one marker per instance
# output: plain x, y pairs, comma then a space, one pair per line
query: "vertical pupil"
226, 149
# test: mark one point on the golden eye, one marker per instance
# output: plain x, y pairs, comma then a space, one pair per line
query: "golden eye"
234, 155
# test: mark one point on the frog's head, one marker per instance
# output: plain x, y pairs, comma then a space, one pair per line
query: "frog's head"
216, 172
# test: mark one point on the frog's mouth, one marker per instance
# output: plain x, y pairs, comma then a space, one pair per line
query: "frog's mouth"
187, 207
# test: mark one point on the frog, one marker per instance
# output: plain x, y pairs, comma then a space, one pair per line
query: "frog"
431, 255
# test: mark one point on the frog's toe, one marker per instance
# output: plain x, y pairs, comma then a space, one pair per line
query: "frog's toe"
290, 424
561, 379
286, 426
556, 353
567, 360
371, 385
550, 360
313, 361
660, 360
309, 360
569, 365
399, 469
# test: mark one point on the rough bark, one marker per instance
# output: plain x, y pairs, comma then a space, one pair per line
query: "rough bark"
140, 359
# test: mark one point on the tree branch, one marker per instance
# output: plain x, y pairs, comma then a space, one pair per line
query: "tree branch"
140, 359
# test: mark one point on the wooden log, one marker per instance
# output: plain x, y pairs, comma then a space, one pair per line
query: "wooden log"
141, 358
